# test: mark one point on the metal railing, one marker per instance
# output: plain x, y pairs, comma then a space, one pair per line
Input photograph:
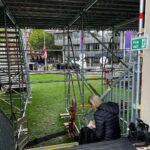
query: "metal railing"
122, 91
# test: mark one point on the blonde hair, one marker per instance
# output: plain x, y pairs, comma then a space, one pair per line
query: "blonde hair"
95, 99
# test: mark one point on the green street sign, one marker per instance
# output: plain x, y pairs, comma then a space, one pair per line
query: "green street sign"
139, 43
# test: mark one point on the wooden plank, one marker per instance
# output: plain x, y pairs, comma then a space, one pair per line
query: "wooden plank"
65, 115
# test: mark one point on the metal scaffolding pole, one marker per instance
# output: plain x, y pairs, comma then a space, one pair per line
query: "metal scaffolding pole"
109, 50
8, 63
88, 6
68, 72
82, 65
19, 70
7, 11
65, 75
117, 27
138, 91
64, 48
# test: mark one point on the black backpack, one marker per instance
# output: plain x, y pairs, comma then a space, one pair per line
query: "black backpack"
139, 133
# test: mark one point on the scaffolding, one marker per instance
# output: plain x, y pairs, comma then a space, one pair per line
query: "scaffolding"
121, 88
119, 84
15, 91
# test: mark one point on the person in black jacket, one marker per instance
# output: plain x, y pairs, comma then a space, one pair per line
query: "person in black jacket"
105, 125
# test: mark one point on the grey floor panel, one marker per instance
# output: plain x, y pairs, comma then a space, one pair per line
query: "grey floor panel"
121, 144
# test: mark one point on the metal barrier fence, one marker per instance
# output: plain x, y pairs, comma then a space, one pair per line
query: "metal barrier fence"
122, 91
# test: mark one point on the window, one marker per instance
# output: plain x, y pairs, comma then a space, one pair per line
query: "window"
60, 36
56, 37
86, 35
76, 35
87, 47
96, 46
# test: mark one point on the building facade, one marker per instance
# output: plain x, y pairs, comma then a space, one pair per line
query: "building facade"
91, 48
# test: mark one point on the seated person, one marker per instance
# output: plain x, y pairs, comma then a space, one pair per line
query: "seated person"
105, 125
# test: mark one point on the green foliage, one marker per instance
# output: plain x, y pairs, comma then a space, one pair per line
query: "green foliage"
36, 39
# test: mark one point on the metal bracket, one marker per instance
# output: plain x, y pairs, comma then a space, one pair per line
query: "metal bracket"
8, 12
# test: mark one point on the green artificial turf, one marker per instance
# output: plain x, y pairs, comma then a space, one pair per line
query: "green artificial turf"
46, 105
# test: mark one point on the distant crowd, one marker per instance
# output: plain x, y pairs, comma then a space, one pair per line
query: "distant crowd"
38, 60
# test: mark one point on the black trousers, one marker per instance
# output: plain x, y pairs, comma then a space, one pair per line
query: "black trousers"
87, 135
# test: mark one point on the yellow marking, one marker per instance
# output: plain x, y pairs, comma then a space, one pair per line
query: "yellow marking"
61, 147
56, 147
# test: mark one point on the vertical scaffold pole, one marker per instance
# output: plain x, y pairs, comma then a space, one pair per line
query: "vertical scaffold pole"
138, 91
102, 81
64, 50
68, 72
82, 55
65, 75
9, 66
19, 68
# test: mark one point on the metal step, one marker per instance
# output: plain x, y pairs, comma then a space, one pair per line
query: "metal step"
14, 81
9, 32
5, 52
16, 46
13, 68
11, 53
10, 74
14, 64
11, 50
12, 71
9, 42
9, 47
14, 86
9, 37
12, 61
5, 57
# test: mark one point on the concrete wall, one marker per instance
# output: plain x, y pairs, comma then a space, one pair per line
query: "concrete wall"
145, 99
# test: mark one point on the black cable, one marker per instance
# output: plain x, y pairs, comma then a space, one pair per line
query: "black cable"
45, 138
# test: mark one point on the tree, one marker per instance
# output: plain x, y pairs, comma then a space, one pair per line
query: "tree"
36, 39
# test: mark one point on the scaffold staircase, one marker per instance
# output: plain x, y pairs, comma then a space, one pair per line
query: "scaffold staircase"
14, 82
11, 60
